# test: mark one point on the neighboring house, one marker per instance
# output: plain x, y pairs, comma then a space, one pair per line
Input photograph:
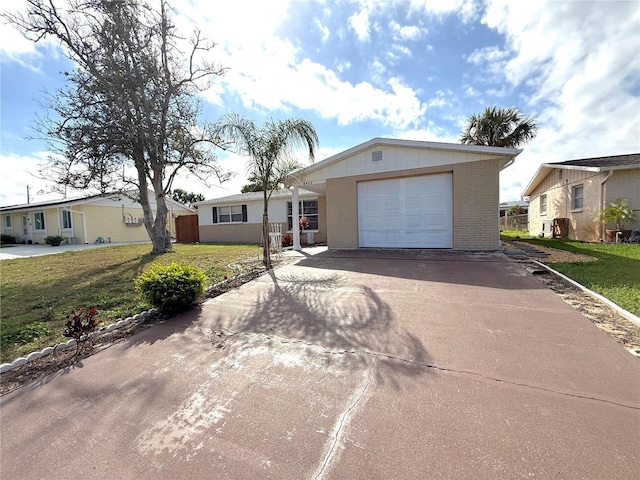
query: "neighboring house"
389, 193
516, 221
577, 189
107, 217
238, 218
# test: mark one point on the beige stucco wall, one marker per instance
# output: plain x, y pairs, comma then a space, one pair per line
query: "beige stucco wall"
625, 184
582, 225
231, 233
475, 205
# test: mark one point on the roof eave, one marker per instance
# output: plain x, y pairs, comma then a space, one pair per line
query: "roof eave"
510, 153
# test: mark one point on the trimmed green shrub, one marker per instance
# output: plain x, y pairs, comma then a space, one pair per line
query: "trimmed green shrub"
171, 288
4, 238
53, 240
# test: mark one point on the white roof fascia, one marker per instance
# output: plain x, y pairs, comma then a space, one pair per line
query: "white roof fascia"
252, 198
393, 142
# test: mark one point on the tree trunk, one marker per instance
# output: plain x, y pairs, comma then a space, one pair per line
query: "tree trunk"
266, 252
156, 227
160, 236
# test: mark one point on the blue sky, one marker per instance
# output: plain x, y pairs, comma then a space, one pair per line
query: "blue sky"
413, 69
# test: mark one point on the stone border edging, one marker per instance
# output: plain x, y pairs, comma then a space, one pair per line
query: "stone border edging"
625, 313
5, 367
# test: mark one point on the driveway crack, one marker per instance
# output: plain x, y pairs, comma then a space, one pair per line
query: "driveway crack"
339, 430
377, 355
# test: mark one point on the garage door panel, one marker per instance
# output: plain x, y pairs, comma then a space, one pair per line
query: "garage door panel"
413, 212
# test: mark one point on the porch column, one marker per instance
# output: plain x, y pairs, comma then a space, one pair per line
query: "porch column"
295, 220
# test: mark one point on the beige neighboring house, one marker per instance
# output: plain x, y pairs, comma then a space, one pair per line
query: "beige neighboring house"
104, 217
238, 218
391, 193
577, 189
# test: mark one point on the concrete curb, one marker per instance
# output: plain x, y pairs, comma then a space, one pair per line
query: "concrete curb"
5, 367
625, 313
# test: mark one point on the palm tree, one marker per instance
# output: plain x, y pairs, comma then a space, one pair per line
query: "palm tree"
271, 152
499, 127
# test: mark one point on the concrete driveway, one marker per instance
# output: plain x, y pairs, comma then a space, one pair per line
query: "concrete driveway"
358, 365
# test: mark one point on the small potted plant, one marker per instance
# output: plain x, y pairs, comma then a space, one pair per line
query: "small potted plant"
619, 213
53, 240
304, 224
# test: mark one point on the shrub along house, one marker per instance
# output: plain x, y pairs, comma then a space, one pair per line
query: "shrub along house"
104, 217
238, 218
576, 190
389, 193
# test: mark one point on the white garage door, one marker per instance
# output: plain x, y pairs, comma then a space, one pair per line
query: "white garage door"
413, 212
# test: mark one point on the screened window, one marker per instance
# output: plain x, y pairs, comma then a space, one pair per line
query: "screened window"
38, 221
543, 204
7, 221
65, 219
576, 197
306, 208
231, 214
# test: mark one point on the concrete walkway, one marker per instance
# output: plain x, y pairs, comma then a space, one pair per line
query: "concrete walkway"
359, 365
24, 251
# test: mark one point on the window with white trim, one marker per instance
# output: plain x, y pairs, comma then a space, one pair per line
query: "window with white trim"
7, 221
65, 220
577, 193
230, 214
306, 208
543, 204
38, 221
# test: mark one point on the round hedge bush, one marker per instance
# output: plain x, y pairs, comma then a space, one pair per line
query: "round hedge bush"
171, 288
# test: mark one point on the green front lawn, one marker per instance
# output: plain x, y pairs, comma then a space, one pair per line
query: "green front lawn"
615, 275
37, 293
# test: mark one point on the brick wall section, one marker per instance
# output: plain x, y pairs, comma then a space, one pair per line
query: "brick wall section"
342, 213
476, 191
475, 205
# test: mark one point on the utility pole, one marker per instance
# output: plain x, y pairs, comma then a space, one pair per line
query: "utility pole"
28, 199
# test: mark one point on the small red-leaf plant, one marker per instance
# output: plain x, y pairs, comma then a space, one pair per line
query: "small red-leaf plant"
80, 324
287, 241
304, 223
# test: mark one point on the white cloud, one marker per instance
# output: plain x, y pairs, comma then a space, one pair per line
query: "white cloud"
399, 51
465, 9
16, 48
576, 60
359, 23
19, 172
323, 28
405, 32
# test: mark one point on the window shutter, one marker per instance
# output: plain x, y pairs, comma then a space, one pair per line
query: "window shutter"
244, 213
215, 214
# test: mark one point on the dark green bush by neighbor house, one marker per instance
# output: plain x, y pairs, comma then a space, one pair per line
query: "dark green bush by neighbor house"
171, 288
4, 238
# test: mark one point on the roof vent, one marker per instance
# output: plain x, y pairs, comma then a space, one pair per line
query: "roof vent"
376, 156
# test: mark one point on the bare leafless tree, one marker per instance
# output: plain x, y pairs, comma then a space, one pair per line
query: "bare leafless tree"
131, 100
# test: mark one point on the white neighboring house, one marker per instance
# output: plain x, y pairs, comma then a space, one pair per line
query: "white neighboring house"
238, 218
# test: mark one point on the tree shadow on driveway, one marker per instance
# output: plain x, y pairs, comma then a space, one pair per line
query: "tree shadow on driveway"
322, 309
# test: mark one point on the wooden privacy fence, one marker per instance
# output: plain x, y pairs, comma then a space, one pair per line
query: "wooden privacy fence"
187, 229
